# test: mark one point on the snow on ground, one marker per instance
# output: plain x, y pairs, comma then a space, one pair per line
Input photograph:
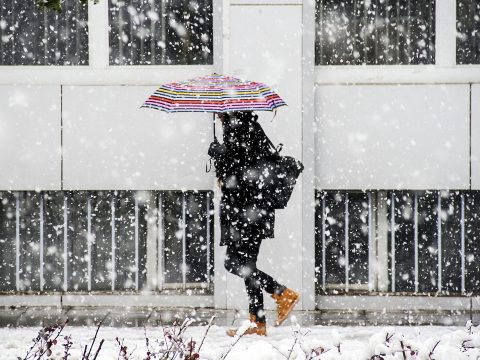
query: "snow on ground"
356, 342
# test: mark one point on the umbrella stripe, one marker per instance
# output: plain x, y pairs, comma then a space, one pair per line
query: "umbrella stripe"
214, 93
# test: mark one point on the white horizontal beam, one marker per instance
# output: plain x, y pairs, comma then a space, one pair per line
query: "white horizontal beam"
110, 300
114, 75
384, 74
394, 303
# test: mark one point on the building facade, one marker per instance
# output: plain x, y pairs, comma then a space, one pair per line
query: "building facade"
102, 198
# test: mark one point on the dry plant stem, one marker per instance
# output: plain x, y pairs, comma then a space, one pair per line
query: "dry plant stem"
291, 350
95, 337
98, 350
206, 332
231, 347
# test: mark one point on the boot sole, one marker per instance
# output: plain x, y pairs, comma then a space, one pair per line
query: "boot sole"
280, 322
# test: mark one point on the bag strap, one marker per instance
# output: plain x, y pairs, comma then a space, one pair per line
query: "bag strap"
262, 133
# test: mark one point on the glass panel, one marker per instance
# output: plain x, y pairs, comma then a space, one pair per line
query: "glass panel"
472, 241
125, 240
29, 241
319, 220
7, 241
355, 32
161, 32
77, 217
468, 35
427, 241
53, 237
102, 240
451, 242
404, 239
173, 228
335, 238
33, 36
358, 238
196, 216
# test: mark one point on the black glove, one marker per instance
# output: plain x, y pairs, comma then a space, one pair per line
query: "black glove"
216, 150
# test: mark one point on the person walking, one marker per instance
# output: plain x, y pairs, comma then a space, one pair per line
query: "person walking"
245, 219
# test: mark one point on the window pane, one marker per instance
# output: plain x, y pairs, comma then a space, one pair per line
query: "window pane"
354, 32
160, 32
401, 207
468, 36
7, 240
33, 36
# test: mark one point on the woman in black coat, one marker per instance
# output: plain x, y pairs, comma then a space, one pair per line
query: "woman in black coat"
246, 219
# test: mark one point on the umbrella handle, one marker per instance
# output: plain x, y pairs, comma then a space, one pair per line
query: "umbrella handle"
214, 135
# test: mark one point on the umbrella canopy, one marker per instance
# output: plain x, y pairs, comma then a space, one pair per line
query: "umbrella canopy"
214, 93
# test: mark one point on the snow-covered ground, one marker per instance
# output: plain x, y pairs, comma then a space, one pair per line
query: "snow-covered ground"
356, 342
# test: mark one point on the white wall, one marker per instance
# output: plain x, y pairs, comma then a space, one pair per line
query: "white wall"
112, 143
392, 137
475, 171
30, 150
269, 50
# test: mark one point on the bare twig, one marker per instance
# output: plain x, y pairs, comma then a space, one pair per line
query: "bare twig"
206, 331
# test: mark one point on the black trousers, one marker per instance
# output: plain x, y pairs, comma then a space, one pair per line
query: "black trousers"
241, 260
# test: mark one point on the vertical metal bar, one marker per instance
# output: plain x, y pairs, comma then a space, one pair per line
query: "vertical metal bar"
320, 32
153, 46
184, 243
113, 274
409, 32
208, 237
65, 242
41, 240
89, 241
415, 241
45, 36
462, 239
347, 265
439, 235
324, 259
392, 239
397, 34
161, 242
137, 264
131, 42
163, 13
17, 240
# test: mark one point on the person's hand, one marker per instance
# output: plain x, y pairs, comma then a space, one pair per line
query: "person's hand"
216, 149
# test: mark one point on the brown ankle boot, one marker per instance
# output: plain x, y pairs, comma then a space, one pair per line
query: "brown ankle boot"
259, 329
285, 303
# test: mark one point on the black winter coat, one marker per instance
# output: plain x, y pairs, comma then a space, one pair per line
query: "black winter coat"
242, 216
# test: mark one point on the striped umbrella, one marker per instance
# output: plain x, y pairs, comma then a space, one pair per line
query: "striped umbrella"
214, 93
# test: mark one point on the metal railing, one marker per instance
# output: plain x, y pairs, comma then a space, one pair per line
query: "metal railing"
99, 240
429, 239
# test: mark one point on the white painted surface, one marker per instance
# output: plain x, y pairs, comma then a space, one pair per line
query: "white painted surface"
258, 52
392, 137
111, 143
30, 152
475, 137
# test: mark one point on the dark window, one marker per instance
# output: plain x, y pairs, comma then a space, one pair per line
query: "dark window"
355, 32
342, 239
468, 34
33, 36
161, 32
103, 236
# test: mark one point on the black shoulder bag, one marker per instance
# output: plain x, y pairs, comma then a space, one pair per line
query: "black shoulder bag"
271, 179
